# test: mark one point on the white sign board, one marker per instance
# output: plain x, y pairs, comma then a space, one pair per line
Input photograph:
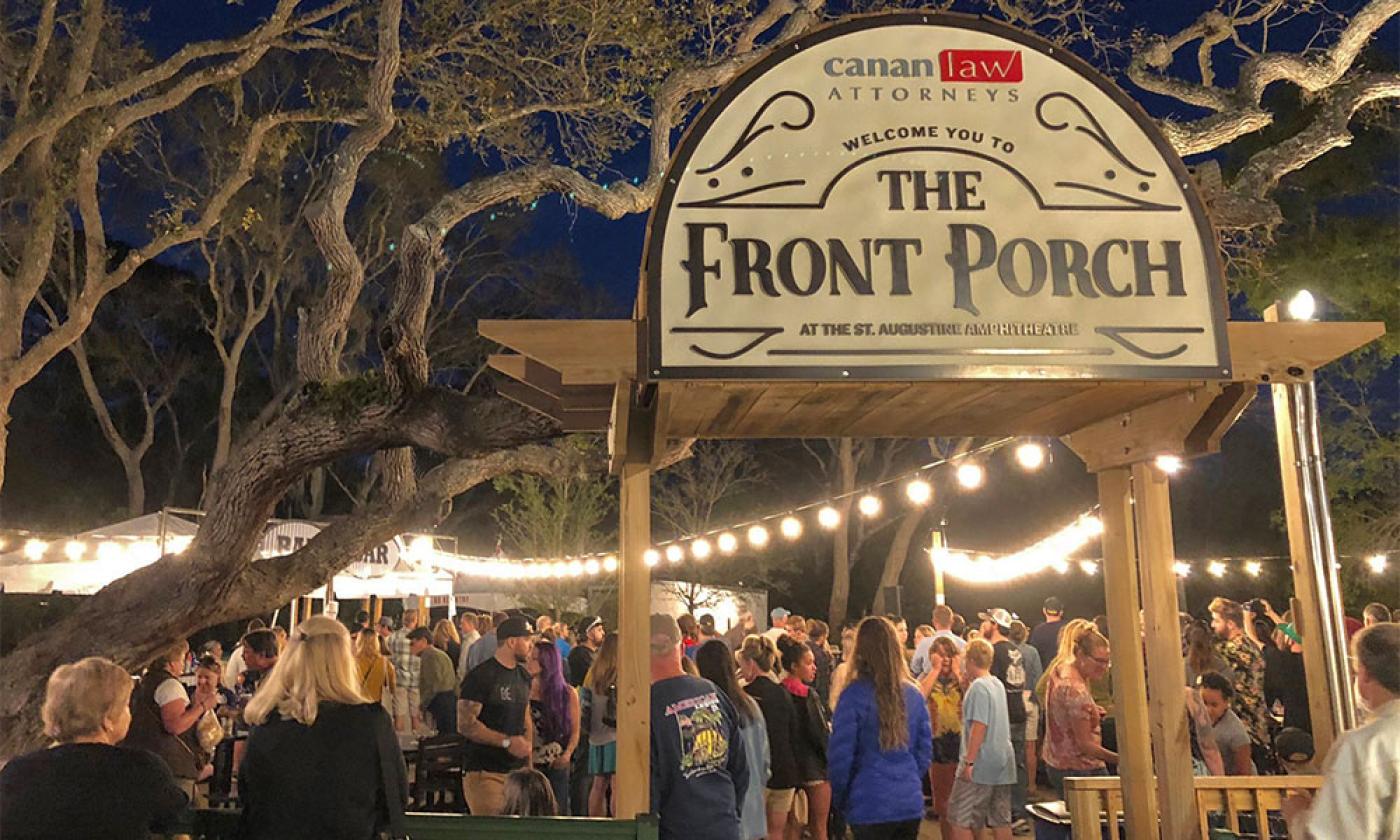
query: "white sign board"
287, 536
928, 196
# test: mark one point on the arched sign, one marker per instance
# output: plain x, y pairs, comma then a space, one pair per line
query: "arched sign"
285, 536
928, 196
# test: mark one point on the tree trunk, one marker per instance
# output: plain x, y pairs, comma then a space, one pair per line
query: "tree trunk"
135, 484
6, 396
840, 543
223, 435
896, 558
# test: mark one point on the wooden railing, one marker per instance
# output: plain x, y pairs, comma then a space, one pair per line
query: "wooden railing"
1092, 799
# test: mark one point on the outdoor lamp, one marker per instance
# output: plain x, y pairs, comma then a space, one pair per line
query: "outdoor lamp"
1302, 306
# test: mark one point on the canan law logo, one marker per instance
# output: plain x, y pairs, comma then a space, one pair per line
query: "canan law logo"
995, 66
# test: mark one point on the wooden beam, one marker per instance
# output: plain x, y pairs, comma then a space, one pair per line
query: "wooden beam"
1120, 581
585, 352
589, 420
632, 785
1290, 351
1166, 670
1188, 424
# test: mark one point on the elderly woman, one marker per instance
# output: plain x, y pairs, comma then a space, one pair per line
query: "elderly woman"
322, 760
84, 785
163, 716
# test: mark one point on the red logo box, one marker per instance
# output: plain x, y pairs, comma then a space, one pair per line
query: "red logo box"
995, 66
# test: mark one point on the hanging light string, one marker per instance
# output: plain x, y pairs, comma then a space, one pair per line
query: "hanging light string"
725, 540
1053, 551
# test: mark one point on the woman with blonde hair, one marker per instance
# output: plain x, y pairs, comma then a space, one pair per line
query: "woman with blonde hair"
446, 639
377, 677
598, 713
83, 785
322, 760
881, 742
1073, 734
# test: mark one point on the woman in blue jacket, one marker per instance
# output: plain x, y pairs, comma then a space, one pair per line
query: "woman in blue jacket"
881, 742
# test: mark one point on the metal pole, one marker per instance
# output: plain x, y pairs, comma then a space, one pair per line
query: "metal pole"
1322, 549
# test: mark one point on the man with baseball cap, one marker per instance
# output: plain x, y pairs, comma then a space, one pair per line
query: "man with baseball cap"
699, 769
1009, 666
589, 634
1045, 638
493, 714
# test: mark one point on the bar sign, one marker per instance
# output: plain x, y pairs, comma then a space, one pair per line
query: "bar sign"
995, 66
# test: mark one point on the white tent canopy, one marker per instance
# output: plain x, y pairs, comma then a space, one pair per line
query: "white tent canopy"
85, 563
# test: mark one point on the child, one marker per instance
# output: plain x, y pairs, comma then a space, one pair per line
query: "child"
528, 794
981, 796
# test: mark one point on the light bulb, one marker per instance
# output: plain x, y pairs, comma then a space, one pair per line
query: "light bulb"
1216, 569
1182, 569
971, 476
1253, 568
74, 549
591, 566
674, 553
1089, 567
420, 547
1169, 464
758, 536
34, 549
1059, 565
919, 491
791, 527
1030, 456
1377, 562
829, 518
869, 506
610, 562
700, 549
728, 543
1302, 306
651, 557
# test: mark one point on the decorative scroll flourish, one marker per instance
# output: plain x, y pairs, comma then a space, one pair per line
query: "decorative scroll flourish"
753, 130
760, 335
1116, 334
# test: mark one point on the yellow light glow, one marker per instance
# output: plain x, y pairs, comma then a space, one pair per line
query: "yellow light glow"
651, 557
727, 542
758, 536
610, 563
74, 549
1088, 567
918, 491
34, 549
1215, 568
1182, 569
1253, 568
790, 527
869, 506
1377, 562
1302, 306
1030, 456
591, 566
829, 518
971, 476
674, 553
1169, 464
701, 549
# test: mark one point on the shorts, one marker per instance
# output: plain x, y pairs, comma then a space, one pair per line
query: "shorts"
977, 806
1032, 721
485, 792
779, 800
602, 759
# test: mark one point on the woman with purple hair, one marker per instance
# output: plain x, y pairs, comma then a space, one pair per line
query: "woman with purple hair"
555, 709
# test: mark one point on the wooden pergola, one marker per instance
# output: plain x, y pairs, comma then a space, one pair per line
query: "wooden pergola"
585, 375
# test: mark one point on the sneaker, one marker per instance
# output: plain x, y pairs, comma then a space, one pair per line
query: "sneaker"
1021, 827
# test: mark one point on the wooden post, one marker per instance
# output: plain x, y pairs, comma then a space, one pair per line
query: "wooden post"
1120, 581
935, 548
1328, 693
1166, 670
376, 610
633, 782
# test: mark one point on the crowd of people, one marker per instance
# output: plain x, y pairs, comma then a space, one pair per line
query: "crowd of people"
776, 734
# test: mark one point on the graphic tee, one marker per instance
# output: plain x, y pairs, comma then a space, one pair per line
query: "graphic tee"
504, 695
1009, 666
699, 767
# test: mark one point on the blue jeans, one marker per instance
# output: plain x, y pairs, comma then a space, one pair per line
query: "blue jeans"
1019, 793
559, 782
1057, 777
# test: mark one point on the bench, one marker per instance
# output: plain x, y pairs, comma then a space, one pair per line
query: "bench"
1221, 802
222, 824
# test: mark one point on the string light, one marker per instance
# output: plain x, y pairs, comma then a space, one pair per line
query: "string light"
610, 563
1051, 552
971, 476
758, 536
110, 552
1377, 562
1030, 456
651, 557
869, 506
918, 491
829, 518
1181, 569
700, 549
728, 543
1169, 464
674, 553
1217, 569
790, 527
592, 567
74, 549
1061, 566
1253, 568
1089, 567
34, 549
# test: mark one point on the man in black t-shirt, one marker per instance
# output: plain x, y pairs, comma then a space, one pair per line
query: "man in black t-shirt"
1009, 666
493, 714
590, 633
699, 769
